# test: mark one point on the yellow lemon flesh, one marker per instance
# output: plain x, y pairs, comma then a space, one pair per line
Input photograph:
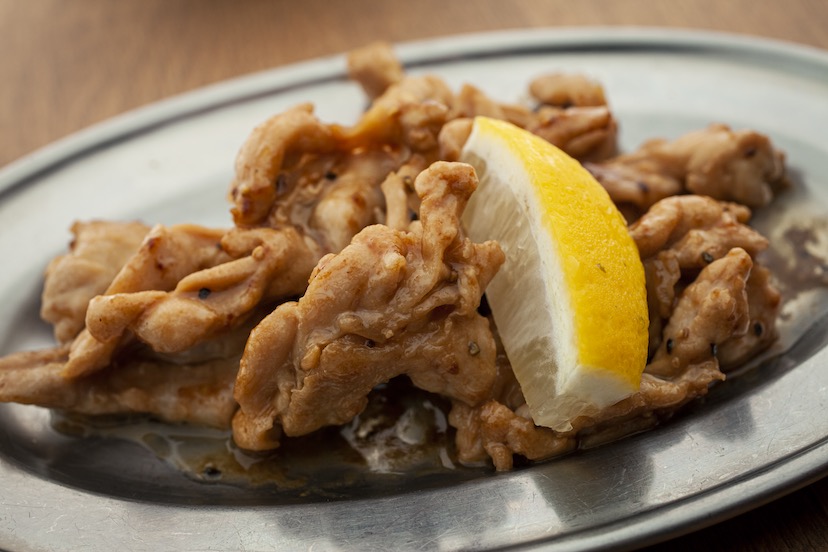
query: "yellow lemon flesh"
570, 301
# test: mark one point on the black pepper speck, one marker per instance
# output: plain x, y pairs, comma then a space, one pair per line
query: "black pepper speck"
281, 183
474, 348
211, 472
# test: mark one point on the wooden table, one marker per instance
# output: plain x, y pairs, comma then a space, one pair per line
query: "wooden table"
66, 65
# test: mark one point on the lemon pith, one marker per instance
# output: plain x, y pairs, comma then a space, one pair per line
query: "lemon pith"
570, 301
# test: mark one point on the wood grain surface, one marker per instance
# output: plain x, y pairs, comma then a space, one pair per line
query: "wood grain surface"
67, 64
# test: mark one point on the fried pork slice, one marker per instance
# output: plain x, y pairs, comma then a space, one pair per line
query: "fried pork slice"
375, 67
764, 303
740, 166
280, 140
501, 427
199, 392
98, 251
585, 133
409, 114
679, 236
350, 200
567, 90
662, 273
275, 265
728, 312
453, 137
194, 386
266, 265
392, 302
409, 110
412, 110
325, 179
401, 201
710, 311
493, 430
471, 102
697, 229
166, 255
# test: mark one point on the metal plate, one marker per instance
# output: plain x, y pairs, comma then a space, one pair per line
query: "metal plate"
756, 437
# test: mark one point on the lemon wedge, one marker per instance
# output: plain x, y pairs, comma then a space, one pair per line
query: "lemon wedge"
570, 301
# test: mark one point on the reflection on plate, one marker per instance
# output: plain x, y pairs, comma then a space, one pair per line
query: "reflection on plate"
757, 436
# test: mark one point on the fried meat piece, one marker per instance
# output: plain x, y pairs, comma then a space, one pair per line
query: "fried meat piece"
409, 114
453, 137
764, 302
662, 273
727, 310
271, 264
697, 229
98, 251
401, 201
328, 198
166, 255
375, 67
274, 143
198, 393
325, 179
585, 133
574, 115
494, 430
567, 90
471, 102
392, 302
710, 311
352, 198
632, 189
739, 166
679, 236
195, 386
